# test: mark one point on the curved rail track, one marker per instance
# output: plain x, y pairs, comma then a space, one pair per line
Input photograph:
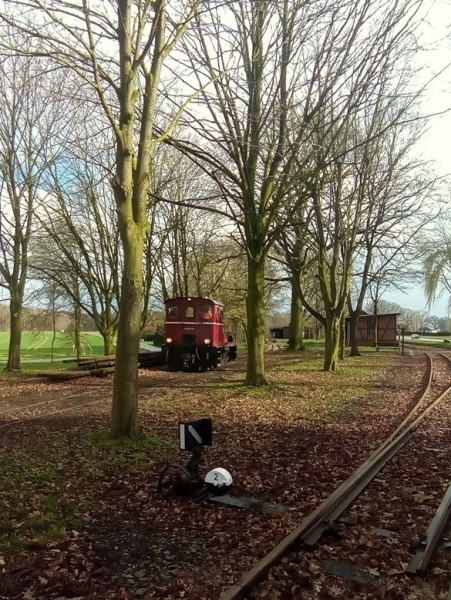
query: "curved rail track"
327, 514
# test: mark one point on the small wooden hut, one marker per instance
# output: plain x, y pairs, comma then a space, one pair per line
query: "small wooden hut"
387, 331
280, 333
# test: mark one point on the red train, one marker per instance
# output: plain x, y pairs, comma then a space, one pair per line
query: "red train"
194, 337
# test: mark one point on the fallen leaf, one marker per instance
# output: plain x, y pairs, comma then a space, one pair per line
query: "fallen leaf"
421, 497
393, 572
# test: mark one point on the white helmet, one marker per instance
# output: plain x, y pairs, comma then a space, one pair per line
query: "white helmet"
218, 480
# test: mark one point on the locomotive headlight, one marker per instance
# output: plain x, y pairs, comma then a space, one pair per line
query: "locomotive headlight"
168, 340
207, 341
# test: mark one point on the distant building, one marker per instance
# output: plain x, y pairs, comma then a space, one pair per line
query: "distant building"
387, 332
280, 333
283, 333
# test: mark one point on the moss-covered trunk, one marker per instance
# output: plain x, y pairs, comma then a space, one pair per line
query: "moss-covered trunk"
125, 393
353, 327
131, 185
15, 312
108, 337
342, 341
296, 329
77, 329
255, 305
332, 343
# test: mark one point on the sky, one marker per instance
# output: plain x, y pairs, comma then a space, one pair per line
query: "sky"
435, 145
414, 299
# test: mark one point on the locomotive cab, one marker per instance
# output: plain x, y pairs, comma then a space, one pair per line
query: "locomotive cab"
194, 335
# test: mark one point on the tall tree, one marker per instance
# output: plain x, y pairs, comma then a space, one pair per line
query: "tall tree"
378, 49
397, 194
77, 225
31, 128
253, 53
118, 47
280, 71
189, 240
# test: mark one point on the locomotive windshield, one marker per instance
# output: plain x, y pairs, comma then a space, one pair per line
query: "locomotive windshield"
189, 312
206, 312
172, 311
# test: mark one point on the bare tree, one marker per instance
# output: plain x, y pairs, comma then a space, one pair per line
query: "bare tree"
398, 193
285, 78
118, 47
77, 226
31, 129
345, 137
253, 54
192, 243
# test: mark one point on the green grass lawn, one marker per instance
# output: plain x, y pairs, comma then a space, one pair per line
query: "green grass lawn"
429, 341
38, 345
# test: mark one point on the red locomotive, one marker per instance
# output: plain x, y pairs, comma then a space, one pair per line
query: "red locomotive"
194, 335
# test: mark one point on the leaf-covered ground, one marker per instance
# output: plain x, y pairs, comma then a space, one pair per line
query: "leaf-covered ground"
80, 516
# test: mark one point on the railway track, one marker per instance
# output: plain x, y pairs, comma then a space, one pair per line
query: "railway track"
13, 416
369, 501
22, 411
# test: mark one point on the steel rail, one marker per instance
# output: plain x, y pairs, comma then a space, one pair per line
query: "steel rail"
408, 417
370, 468
353, 489
60, 399
423, 556
55, 412
7, 412
313, 525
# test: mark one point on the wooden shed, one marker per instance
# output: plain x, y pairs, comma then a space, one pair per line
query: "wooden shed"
280, 333
283, 333
387, 332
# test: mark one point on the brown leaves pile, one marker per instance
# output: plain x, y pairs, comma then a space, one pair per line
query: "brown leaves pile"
291, 443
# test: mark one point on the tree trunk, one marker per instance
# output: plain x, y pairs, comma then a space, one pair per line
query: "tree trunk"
376, 329
77, 330
108, 337
52, 345
125, 390
15, 312
353, 326
342, 338
125, 387
332, 343
255, 305
296, 337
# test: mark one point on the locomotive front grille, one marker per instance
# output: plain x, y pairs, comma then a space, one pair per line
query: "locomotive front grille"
188, 339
